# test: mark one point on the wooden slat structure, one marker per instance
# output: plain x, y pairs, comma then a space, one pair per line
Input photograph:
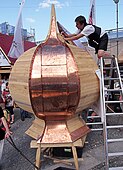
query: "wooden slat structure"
55, 81
36, 130
19, 80
89, 83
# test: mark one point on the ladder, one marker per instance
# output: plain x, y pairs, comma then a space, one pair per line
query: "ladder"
121, 71
112, 101
96, 123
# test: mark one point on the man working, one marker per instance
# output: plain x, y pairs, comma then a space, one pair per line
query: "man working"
97, 38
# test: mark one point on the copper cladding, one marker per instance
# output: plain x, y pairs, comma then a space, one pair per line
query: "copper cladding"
54, 82
56, 132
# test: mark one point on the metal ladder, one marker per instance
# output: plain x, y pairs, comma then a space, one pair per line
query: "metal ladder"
112, 96
96, 124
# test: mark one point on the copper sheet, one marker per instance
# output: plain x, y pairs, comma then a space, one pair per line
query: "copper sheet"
59, 71
56, 116
54, 81
56, 132
53, 33
35, 83
77, 134
53, 55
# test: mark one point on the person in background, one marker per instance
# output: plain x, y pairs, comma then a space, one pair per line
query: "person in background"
3, 85
9, 103
24, 114
97, 38
4, 131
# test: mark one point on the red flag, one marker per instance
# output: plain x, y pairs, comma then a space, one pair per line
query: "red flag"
92, 19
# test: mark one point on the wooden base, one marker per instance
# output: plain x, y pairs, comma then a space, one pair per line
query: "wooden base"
39, 147
78, 136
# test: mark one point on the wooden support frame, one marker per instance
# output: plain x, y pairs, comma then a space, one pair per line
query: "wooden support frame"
38, 153
39, 147
37, 129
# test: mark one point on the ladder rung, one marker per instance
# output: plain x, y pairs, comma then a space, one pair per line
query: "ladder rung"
116, 168
115, 154
110, 90
113, 114
109, 78
109, 57
108, 68
100, 129
94, 123
120, 101
115, 140
115, 126
93, 117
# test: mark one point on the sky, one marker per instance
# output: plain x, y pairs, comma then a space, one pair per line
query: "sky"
36, 14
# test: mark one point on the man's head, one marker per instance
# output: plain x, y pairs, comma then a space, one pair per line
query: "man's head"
80, 22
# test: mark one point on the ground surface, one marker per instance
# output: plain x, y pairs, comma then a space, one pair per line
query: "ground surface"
93, 151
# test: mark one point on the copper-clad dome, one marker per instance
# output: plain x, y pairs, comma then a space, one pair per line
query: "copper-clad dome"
55, 79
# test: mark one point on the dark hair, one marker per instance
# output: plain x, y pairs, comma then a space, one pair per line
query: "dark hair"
81, 19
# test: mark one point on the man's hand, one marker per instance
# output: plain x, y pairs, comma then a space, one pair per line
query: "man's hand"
67, 39
63, 34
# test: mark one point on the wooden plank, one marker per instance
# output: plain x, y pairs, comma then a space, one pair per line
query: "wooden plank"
19, 78
34, 132
24, 71
75, 123
75, 157
39, 122
27, 54
34, 144
21, 88
24, 93
36, 129
22, 99
80, 142
38, 154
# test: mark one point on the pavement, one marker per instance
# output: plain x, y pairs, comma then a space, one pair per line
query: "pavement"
92, 158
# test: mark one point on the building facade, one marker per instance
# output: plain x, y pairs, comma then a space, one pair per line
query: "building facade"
7, 29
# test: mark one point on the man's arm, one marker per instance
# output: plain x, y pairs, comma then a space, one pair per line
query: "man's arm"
67, 35
74, 37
